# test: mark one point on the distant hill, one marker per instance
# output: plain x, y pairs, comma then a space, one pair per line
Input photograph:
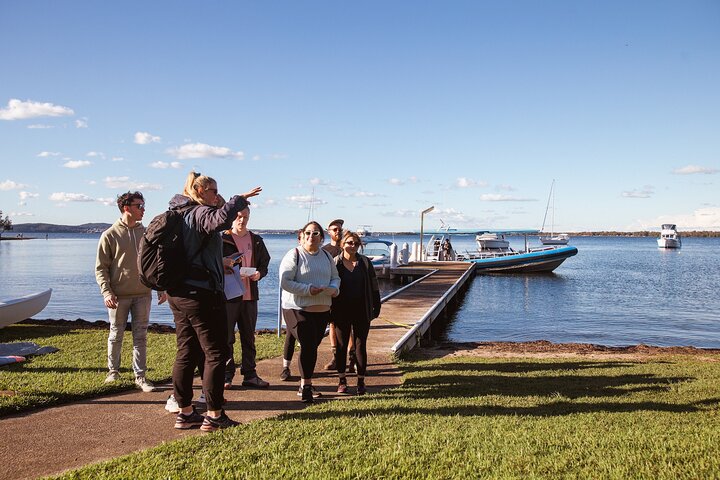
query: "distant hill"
52, 228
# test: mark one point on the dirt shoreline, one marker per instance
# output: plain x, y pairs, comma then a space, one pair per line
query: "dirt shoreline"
537, 348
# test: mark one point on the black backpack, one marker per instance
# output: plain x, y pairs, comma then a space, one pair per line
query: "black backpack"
162, 261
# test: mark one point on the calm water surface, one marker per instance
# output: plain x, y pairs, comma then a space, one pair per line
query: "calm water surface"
616, 291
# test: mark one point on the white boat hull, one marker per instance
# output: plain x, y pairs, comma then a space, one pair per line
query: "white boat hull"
541, 260
562, 239
18, 309
669, 242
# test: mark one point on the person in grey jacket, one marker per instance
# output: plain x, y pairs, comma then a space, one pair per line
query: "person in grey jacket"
117, 274
198, 305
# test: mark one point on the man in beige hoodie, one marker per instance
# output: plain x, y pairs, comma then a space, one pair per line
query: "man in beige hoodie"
116, 272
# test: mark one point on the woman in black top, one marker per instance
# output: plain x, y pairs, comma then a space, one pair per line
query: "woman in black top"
353, 309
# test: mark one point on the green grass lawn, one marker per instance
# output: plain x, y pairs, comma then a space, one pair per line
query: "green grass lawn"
468, 417
78, 370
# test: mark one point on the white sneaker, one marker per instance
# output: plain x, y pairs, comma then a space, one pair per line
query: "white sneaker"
171, 405
113, 376
201, 398
144, 385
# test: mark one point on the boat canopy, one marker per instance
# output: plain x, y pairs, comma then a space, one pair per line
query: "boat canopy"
669, 226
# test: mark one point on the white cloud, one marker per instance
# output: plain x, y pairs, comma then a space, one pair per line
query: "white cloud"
10, 185
507, 188
48, 154
203, 150
400, 181
496, 197
117, 159
163, 165
95, 154
70, 197
706, 218
107, 201
22, 203
25, 195
402, 214
125, 183
19, 110
317, 181
692, 169
305, 201
39, 126
646, 192
81, 123
359, 194
464, 182
269, 202
77, 163
144, 138
21, 214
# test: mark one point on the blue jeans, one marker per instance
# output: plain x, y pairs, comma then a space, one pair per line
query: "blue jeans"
139, 309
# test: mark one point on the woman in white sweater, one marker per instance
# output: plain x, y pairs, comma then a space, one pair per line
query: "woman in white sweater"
309, 280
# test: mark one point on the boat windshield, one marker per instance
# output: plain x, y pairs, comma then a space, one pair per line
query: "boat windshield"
373, 249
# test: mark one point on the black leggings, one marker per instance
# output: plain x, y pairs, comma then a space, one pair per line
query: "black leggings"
360, 329
309, 329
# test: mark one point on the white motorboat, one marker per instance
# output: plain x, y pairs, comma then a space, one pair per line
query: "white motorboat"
17, 309
552, 238
669, 237
492, 241
378, 251
364, 231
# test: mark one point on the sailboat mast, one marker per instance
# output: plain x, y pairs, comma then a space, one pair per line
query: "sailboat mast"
547, 206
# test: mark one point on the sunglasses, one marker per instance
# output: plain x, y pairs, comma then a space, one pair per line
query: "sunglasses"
141, 206
334, 229
351, 243
214, 190
314, 233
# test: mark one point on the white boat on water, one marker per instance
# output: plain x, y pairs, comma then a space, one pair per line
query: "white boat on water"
378, 251
552, 238
364, 231
17, 309
488, 241
669, 237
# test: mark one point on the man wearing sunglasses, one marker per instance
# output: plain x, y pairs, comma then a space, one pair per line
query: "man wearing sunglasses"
333, 248
117, 274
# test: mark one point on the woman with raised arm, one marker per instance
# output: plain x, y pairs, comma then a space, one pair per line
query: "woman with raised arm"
353, 309
198, 304
309, 280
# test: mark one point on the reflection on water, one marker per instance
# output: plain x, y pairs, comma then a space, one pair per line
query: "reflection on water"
616, 291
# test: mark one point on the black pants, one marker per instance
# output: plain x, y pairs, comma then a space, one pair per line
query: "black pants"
309, 329
201, 329
346, 322
244, 315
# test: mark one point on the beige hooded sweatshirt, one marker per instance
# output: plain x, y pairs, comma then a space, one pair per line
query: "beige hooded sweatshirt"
116, 269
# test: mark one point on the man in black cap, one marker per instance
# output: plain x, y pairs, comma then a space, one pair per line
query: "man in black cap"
333, 248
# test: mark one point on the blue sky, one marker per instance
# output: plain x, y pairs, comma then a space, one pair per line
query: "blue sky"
378, 108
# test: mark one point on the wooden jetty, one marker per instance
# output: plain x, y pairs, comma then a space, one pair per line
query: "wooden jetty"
407, 314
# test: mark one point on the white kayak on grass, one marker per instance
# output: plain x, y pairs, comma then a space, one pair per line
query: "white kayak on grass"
17, 309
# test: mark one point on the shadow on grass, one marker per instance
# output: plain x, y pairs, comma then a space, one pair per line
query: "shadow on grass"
25, 333
564, 392
514, 367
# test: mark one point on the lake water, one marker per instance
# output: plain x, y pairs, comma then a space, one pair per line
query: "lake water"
616, 291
